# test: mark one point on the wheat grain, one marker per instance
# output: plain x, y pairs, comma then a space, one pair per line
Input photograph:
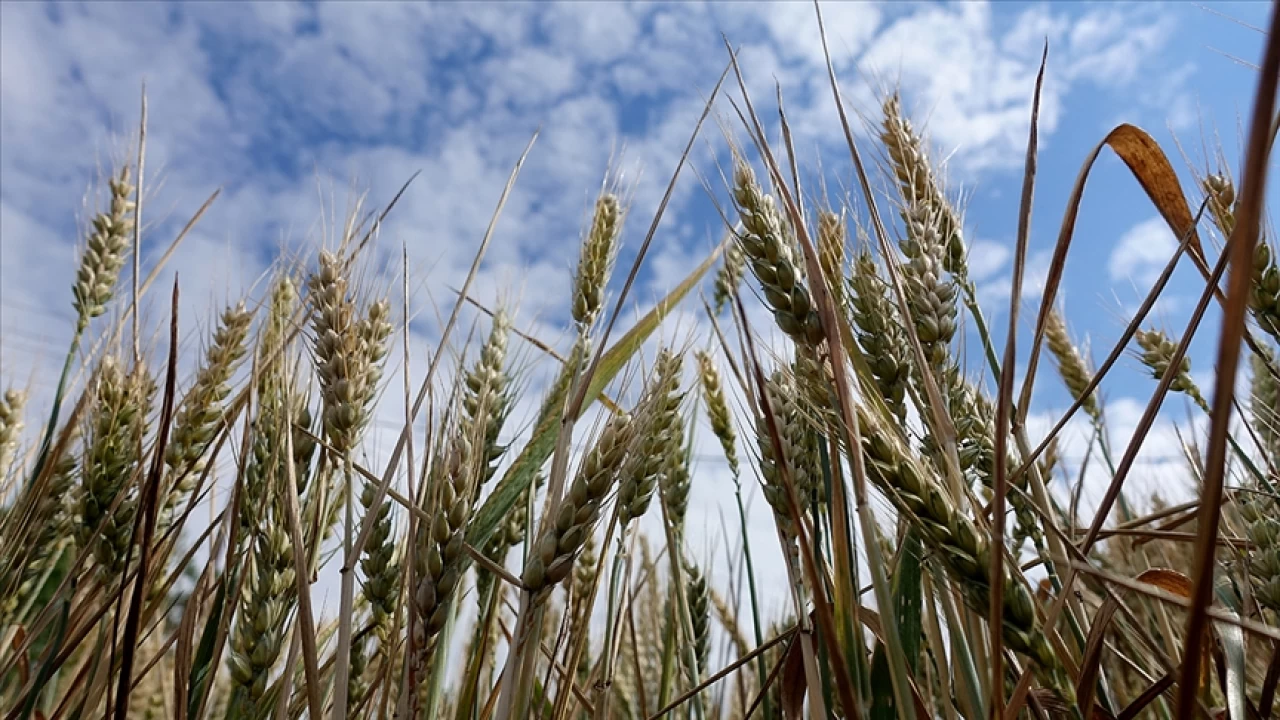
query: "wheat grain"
717, 408
198, 419
658, 429
919, 187
552, 557
1157, 354
105, 253
596, 260
770, 255
11, 407
117, 426
880, 333
729, 276
1075, 374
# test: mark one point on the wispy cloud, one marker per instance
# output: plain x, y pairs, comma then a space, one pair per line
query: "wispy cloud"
1141, 252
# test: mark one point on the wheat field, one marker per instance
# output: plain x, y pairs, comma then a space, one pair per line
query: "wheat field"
162, 532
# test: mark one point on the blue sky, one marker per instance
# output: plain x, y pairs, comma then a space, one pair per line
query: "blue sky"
289, 107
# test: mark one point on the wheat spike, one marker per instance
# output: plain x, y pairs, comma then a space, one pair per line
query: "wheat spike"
1263, 530
486, 400
831, 252
348, 351
117, 427
1221, 193
658, 432
674, 481
717, 408
931, 295
553, 554
769, 252
919, 187
962, 549
729, 276
1075, 374
1264, 403
596, 260
197, 421
879, 332
105, 253
441, 551
260, 630
698, 597
11, 407
1157, 354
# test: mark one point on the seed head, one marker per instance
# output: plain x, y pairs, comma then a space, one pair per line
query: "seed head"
11, 407
770, 253
596, 260
104, 255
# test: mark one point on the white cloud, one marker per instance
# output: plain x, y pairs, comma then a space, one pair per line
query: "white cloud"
1142, 251
986, 258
